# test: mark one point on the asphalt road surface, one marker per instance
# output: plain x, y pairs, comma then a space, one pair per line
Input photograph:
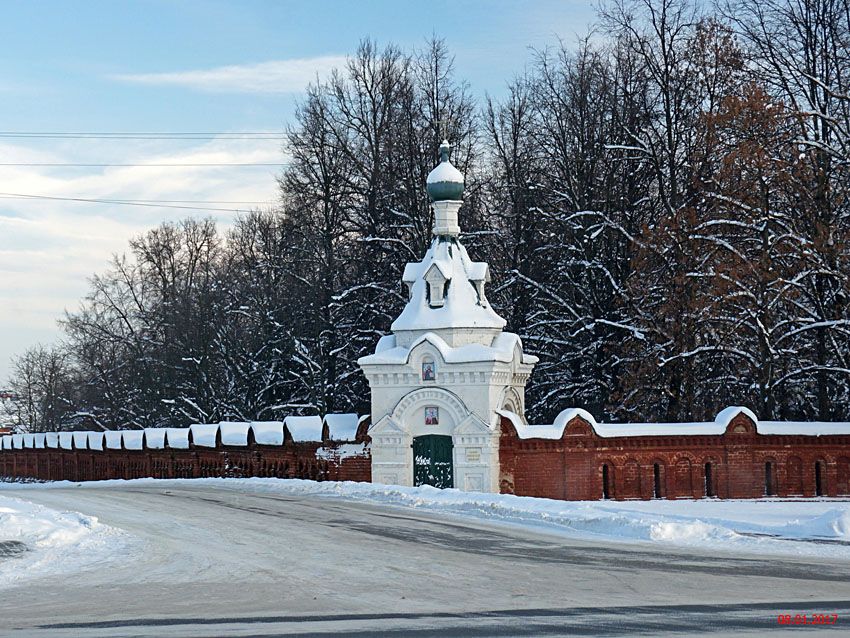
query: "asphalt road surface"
222, 563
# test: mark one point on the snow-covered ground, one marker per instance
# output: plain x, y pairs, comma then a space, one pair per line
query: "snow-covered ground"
36, 540
804, 527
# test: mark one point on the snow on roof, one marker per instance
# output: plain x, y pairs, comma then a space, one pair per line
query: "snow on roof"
304, 428
444, 172
132, 439
443, 265
234, 433
29, 440
478, 271
267, 432
725, 416
501, 349
525, 431
18, 441
804, 428
707, 428
204, 434
81, 440
462, 308
6, 441
96, 440
154, 438
51, 439
609, 430
66, 440
342, 427
114, 440
38, 440
178, 438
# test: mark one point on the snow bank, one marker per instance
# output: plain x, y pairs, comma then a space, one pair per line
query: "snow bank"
768, 526
53, 542
804, 527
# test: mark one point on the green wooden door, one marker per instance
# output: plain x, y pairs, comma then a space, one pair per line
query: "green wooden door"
432, 461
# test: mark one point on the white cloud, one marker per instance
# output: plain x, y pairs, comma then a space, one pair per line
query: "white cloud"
49, 248
274, 76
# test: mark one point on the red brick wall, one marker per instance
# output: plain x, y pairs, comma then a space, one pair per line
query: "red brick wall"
291, 460
572, 467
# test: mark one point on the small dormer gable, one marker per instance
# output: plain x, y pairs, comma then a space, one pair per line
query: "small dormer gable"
411, 274
479, 274
438, 278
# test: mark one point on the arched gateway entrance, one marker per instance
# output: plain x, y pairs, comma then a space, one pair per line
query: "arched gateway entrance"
432, 461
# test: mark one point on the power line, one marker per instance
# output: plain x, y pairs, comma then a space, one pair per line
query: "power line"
110, 165
252, 135
126, 202
161, 201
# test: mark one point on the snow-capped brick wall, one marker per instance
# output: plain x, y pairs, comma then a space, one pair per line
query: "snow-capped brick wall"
732, 457
226, 449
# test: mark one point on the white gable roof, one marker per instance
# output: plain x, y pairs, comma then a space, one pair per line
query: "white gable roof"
178, 438
114, 439
81, 440
132, 439
95, 440
304, 428
342, 427
267, 432
461, 308
154, 438
234, 432
66, 440
204, 434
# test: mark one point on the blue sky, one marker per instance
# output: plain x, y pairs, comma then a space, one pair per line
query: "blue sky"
181, 66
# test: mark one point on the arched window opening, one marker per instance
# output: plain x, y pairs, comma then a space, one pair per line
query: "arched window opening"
768, 479
709, 481
818, 478
656, 481
606, 494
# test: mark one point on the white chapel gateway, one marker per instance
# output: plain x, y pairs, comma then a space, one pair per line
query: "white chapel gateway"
439, 378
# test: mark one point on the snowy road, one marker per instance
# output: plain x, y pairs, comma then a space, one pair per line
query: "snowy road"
227, 563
